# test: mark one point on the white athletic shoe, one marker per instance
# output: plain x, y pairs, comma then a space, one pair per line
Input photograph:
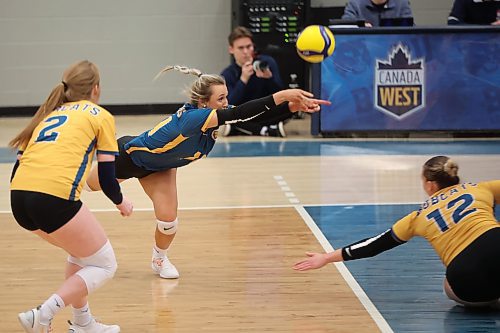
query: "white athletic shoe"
93, 327
30, 320
164, 267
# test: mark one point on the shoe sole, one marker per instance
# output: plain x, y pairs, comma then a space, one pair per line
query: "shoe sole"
169, 277
281, 130
116, 329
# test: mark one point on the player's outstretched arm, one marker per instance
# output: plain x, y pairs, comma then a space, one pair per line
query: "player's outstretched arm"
318, 260
364, 248
300, 100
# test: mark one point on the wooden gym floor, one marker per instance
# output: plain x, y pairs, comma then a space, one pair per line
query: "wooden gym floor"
247, 213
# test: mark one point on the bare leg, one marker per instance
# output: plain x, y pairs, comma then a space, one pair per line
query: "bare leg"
81, 237
161, 187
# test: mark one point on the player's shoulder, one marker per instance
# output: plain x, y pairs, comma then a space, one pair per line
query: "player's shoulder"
490, 185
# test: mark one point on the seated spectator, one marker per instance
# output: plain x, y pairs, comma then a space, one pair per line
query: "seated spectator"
481, 12
372, 11
247, 80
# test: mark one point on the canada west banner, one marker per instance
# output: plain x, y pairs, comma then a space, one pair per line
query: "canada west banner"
422, 81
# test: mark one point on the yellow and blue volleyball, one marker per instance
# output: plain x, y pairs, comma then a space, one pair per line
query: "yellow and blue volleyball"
315, 43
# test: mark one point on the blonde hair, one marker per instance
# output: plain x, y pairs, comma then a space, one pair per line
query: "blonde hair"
77, 84
201, 89
443, 170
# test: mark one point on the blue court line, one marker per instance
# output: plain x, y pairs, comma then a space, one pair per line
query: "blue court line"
405, 283
347, 148
336, 148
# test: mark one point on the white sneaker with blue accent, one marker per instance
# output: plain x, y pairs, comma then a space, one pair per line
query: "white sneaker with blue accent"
93, 327
30, 320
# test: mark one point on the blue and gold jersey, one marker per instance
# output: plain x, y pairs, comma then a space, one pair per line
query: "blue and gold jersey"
59, 154
452, 218
176, 141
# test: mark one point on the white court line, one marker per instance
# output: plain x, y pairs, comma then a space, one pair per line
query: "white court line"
286, 189
356, 288
250, 207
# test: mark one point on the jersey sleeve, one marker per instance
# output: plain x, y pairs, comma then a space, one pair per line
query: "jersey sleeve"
403, 229
195, 121
106, 135
494, 187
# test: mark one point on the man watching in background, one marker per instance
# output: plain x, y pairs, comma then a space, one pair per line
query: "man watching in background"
249, 77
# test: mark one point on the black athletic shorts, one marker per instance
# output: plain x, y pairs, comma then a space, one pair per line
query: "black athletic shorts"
35, 210
125, 168
474, 274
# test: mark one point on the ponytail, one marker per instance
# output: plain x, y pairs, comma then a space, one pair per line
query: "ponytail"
201, 89
182, 69
55, 99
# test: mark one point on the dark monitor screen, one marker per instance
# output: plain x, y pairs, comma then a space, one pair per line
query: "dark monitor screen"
397, 22
341, 22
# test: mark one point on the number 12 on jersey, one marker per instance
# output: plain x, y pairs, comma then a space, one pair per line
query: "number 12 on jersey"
460, 207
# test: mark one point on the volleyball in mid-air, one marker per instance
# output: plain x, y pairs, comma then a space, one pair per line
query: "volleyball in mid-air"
315, 43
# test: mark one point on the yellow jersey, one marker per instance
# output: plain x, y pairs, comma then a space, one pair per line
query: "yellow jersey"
452, 218
57, 158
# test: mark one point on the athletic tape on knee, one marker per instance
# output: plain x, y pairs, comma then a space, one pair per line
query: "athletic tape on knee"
98, 268
167, 228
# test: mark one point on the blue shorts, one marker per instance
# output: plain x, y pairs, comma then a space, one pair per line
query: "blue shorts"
125, 168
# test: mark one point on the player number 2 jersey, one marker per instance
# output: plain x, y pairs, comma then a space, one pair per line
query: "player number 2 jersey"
59, 154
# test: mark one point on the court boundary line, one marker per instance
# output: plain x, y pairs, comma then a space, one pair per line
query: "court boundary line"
346, 274
105, 210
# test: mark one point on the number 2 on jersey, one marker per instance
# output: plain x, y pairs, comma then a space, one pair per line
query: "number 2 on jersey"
47, 133
458, 214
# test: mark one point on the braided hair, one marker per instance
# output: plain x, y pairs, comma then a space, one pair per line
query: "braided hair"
200, 90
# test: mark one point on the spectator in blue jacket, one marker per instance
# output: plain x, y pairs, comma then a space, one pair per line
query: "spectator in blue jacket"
372, 11
250, 77
481, 12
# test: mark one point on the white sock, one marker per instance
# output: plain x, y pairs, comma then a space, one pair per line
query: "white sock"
263, 130
82, 316
49, 308
158, 253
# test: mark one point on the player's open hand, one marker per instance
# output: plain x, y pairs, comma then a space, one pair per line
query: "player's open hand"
299, 100
309, 105
315, 260
126, 208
